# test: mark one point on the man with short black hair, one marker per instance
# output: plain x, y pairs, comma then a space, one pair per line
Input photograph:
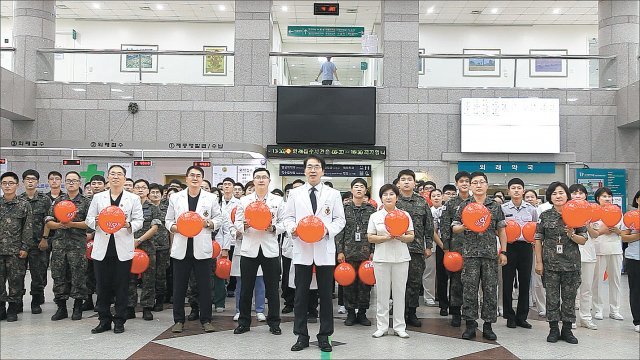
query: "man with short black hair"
55, 184
97, 183
128, 185
238, 190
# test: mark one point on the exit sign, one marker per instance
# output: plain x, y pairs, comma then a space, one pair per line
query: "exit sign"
142, 163
326, 9
71, 162
3, 161
202, 163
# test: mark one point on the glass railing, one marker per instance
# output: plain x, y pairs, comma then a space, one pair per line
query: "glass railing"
209, 67
302, 68
544, 70
6, 57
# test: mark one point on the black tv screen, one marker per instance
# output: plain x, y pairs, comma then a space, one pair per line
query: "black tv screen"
326, 115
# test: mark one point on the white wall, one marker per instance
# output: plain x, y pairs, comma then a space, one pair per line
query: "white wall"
511, 40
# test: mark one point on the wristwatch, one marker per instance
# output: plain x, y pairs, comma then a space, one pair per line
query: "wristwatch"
502, 252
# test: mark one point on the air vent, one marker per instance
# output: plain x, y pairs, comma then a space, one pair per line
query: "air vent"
351, 11
476, 12
145, 8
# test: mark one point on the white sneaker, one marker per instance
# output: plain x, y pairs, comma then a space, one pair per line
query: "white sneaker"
342, 310
574, 326
379, 333
236, 317
588, 324
261, 317
616, 316
402, 334
219, 309
430, 302
637, 328
598, 316
542, 313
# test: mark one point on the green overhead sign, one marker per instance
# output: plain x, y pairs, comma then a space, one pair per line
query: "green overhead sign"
325, 31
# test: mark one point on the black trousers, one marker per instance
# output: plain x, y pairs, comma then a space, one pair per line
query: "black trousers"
324, 277
271, 275
633, 275
288, 293
442, 280
112, 279
520, 258
231, 286
181, 271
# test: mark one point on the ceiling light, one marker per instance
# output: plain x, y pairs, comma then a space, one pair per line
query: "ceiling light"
556, 11
293, 65
430, 10
350, 79
222, 7
96, 5
116, 90
295, 78
159, 6
285, 8
79, 89
572, 99
494, 11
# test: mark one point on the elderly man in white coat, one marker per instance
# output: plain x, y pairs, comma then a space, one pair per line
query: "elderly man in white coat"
193, 253
112, 253
314, 198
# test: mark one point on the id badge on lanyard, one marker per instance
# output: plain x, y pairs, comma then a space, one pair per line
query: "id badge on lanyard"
358, 235
559, 246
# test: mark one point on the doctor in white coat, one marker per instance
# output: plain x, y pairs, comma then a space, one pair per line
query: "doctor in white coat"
193, 253
314, 198
112, 253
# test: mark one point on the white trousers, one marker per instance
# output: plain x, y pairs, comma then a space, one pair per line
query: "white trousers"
390, 276
537, 289
429, 277
612, 264
585, 295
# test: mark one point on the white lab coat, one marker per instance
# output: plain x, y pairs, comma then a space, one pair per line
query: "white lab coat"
252, 239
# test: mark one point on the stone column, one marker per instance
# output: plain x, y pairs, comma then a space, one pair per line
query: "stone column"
400, 42
34, 27
252, 42
618, 35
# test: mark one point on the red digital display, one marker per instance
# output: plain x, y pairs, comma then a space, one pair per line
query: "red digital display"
202, 163
71, 162
142, 163
326, 9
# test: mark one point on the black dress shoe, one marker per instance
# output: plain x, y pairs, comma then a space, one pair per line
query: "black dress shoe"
325, 345
102, 327
287, 309
299, 345
444, 312
523, 324
511, 323
118, 328
241, 329
275, 330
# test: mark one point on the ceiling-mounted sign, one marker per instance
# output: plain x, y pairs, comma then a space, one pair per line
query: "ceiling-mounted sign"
142, 163
71, 162
333, 170
202, 163
508, 167
326, 9
325, 31
329, 152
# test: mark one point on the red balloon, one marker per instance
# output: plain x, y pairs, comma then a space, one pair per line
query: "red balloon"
366, 273
216, 249
452, 261
373, 203
140, 262
476, 217
223, 268
576, 213
611, 214
258, 215
632, 220
89, 248
427, 197
513, 231
190, 224
344, 274
233, 214
529, 231
111, 219
310, 229
396, 222
596, 212
65, 211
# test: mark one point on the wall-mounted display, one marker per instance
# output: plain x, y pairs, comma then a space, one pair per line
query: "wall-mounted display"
138, 62
215, 65
548, 67
481, 66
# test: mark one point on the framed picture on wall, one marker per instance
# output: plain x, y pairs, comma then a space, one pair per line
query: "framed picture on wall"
548, 67
421, 62
481, 66
214, 65
133, 62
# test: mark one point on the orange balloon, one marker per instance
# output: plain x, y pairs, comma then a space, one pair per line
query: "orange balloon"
258, 215
576, 213
366, 273
111, 219
513, 231
596, 212
373, 203
605, 277
65, 211
190, 224
611, 215
529, 231
223, 268
396, 222
216, 249
310, 229
140, 261
427, 197
452, 261
233, 214
89, 248
344, 274
476, 217
632, 220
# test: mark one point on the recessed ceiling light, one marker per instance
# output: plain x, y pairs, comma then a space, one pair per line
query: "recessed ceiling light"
494, 11
79, 89
556, 11
96, 5
295, 78
159, 6
222, 7
285, 8
116, 90
293, 65
430, 10
350, 79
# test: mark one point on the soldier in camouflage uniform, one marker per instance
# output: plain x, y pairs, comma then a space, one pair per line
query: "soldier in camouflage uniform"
353, 247
558, 262
144, 241
453, 242
68, 257
16, 222
161, 241
481, 260
97, 186
37, 258
420, 247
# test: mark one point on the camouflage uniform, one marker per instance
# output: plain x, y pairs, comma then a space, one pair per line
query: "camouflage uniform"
452, 242
480, 254
161, 240
423, 227
148, 295
356, 295
16, 231
68, 257
37, 259
561, 272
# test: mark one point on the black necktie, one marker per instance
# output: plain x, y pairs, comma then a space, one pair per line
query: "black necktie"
314, 201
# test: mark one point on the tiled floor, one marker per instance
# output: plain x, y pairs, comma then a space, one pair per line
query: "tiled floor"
36, 336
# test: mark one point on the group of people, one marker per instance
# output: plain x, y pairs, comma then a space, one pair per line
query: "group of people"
564, 262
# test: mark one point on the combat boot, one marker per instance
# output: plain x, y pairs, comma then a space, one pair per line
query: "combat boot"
487, 332
470, 332
351, 317
3, 311
411, 318
566, 334
61, 313
554, 332
146, 314
131, 312
35, 306
77, 310
362, 318
456, 319
19, 307
88, 304
195, 313
158, 306
12, 312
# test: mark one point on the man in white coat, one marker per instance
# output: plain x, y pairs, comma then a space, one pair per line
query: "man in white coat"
112, 253
314, 198
193, 253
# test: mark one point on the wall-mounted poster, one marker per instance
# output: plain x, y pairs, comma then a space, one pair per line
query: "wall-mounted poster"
133, 62
421, 62
215, 65
481, 66
548, 67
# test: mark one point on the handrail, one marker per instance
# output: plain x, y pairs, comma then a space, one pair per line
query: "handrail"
7, 48
515, 56
119, 51
325, 54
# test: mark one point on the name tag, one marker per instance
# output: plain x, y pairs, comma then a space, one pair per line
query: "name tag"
559, 249
358, 238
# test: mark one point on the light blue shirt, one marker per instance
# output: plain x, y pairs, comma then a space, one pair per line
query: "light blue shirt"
327, 70
633, 250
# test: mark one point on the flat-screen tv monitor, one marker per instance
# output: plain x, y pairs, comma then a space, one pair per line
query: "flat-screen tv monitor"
326, 115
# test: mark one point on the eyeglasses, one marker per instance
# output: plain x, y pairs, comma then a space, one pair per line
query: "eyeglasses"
314, 167
478, 183
263, 177
72, 181
30, 179
140, 187
9, 183
116, 174
195, 176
